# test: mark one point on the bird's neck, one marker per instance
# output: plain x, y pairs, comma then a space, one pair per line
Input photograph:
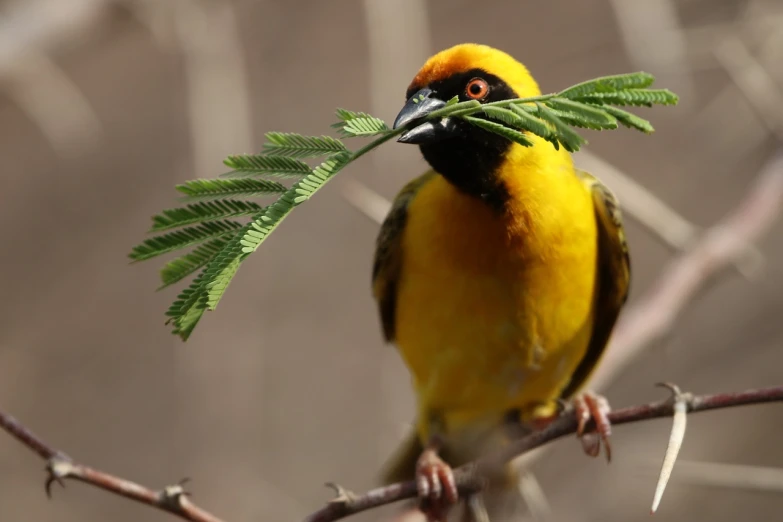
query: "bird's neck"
471, 167
481, 169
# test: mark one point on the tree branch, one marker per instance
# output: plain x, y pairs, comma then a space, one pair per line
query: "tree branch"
173, 499
469, 477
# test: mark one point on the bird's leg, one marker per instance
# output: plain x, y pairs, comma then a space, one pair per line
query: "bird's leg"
435, 483
587, 406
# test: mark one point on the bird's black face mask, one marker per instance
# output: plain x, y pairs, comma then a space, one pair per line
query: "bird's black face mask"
464, 154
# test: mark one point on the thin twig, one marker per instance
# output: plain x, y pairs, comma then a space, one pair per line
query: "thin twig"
173, 499
468, 477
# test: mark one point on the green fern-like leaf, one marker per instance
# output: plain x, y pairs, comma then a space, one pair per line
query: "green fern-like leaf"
365, 127
206, 291
266, 223
165, 243
359, 124
186, 311
344, 115
298, 146
206, 189
639, 97
506, 116
605, 84
497, 128
530, 122
582, 115
192, 302
247, 165
202, 212
570, 140
629, 120
180, 268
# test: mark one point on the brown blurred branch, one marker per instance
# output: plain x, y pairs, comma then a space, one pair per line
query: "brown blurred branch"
173, 499
653, 315
469, 477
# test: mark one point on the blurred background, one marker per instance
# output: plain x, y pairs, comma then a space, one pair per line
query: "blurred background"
105, 105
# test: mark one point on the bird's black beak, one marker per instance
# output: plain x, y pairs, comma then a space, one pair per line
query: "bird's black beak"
419, 106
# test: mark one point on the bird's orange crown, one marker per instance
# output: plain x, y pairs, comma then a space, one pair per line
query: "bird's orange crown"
464, 57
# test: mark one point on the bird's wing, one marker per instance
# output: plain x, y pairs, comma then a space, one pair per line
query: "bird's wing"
614, 273
388, 254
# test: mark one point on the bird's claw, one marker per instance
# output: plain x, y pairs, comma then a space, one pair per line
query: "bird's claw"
589, 406
436, 485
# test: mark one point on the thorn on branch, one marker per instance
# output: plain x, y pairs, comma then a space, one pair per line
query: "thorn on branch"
58, 469
171, 496
342, 496
681, 402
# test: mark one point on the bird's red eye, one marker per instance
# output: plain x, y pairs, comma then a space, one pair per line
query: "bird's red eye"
477, 89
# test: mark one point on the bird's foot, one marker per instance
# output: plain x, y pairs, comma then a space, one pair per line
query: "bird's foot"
436, 485
589, 406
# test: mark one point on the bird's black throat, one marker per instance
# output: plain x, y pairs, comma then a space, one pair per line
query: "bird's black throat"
470, 162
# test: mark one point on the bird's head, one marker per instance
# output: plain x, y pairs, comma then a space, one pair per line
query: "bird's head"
463, 153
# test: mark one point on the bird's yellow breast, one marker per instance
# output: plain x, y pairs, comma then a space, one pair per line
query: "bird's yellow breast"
494, 310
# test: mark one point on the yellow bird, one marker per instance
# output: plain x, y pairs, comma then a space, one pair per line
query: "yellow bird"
499, 274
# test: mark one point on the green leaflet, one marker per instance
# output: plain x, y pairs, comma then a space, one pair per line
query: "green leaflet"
267, 222
639, 97
205, 189
497, 128
365, 127
506, 116
181, 267
582, 115
201, 212
185, 312
345, 115
247, 165
298, 146
619, 82
629, 120
570, 140
191, 304
359, 124
530, 122
182, 238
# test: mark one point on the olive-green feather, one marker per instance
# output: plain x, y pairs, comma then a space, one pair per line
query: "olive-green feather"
614, 275
388, 254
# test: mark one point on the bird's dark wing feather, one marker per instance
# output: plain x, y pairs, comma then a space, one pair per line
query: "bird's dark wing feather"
614, 274
388, 254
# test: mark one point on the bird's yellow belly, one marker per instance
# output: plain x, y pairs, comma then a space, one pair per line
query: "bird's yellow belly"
490, 316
